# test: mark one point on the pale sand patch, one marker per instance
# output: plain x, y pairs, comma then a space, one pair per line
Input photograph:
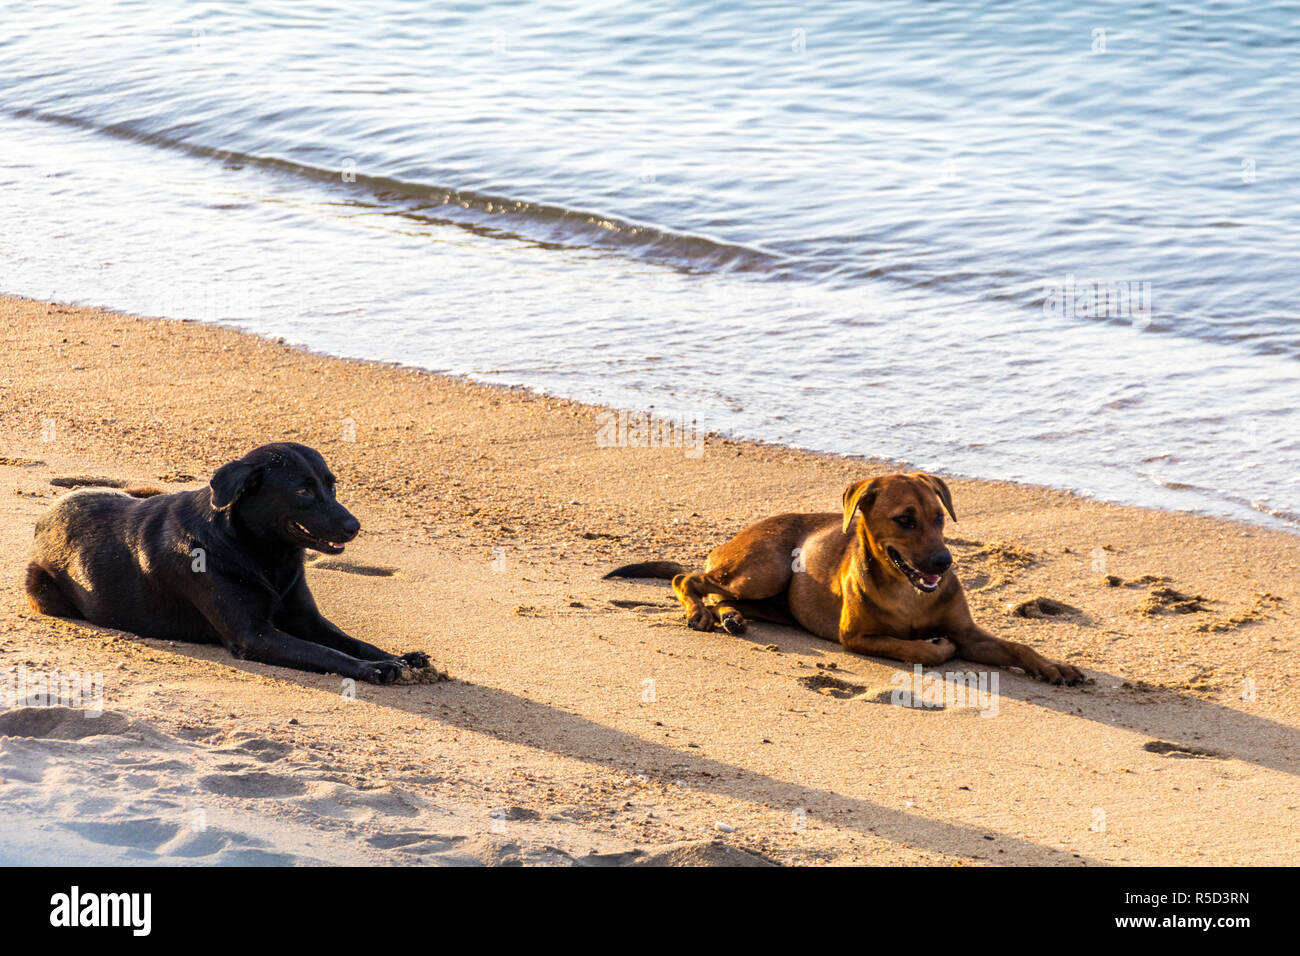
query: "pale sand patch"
488, 517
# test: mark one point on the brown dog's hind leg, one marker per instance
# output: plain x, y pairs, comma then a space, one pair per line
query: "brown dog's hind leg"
44, 596
746, 576
729, 616
753, 566
691, 589
734, 614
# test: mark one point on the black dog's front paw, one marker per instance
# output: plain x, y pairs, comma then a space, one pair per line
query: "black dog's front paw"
415, 659
381, 672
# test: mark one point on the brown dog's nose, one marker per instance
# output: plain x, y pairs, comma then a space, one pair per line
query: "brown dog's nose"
940, 561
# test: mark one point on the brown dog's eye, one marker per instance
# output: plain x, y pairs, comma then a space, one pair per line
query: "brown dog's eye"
906, 522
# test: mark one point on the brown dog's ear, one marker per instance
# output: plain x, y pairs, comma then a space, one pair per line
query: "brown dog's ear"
860, 495
940, 489
230, 481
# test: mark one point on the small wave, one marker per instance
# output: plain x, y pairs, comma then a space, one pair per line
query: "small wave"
1173, 485
1259, 503
1290, 517
484, 213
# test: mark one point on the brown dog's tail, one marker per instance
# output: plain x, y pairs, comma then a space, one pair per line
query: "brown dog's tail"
648, 569
132, 488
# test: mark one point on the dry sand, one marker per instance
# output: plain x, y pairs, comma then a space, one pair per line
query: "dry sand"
584, 721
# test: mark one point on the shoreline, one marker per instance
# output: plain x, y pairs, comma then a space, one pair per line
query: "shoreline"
488, 515
1261, 518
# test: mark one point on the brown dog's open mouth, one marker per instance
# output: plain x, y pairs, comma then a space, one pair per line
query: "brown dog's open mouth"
309, 540
922, 582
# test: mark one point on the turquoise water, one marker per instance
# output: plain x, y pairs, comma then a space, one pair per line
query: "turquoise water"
851, 227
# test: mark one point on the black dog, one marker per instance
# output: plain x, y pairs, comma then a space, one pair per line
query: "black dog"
221, 564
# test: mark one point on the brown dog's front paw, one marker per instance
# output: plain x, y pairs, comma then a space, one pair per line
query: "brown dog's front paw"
703, 620
733, 623
936, 650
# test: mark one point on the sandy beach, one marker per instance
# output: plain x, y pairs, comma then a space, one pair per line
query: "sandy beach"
583, 721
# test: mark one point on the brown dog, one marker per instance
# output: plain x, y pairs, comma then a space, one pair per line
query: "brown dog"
879, 585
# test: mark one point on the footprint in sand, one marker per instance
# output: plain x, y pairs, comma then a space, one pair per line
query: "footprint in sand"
414, 842
340, 801
154, 836
146, 833
1165, 749
1115, 581
254, 785
350, 567
643, 606
831, 686
60, 723
491, 850
519, 813
1165, 600
1161, 598
190, 843
259, 748
993, 565
904, 698
1259, 611
1043, 607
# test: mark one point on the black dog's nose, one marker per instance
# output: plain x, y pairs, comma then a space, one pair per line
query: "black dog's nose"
351, 525
941, 561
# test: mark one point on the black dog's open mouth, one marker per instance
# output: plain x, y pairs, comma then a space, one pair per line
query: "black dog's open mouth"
922, 582
309, 540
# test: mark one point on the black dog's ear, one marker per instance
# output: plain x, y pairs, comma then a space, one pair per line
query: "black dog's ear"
230, 481
860, 495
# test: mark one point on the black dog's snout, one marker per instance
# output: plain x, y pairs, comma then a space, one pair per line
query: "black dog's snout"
940, 561
349, 525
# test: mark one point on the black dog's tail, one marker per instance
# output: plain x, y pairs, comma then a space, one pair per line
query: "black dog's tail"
648, 569
44, 596
134, 489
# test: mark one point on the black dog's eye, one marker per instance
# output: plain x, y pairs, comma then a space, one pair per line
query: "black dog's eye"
906, 522
304, 492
